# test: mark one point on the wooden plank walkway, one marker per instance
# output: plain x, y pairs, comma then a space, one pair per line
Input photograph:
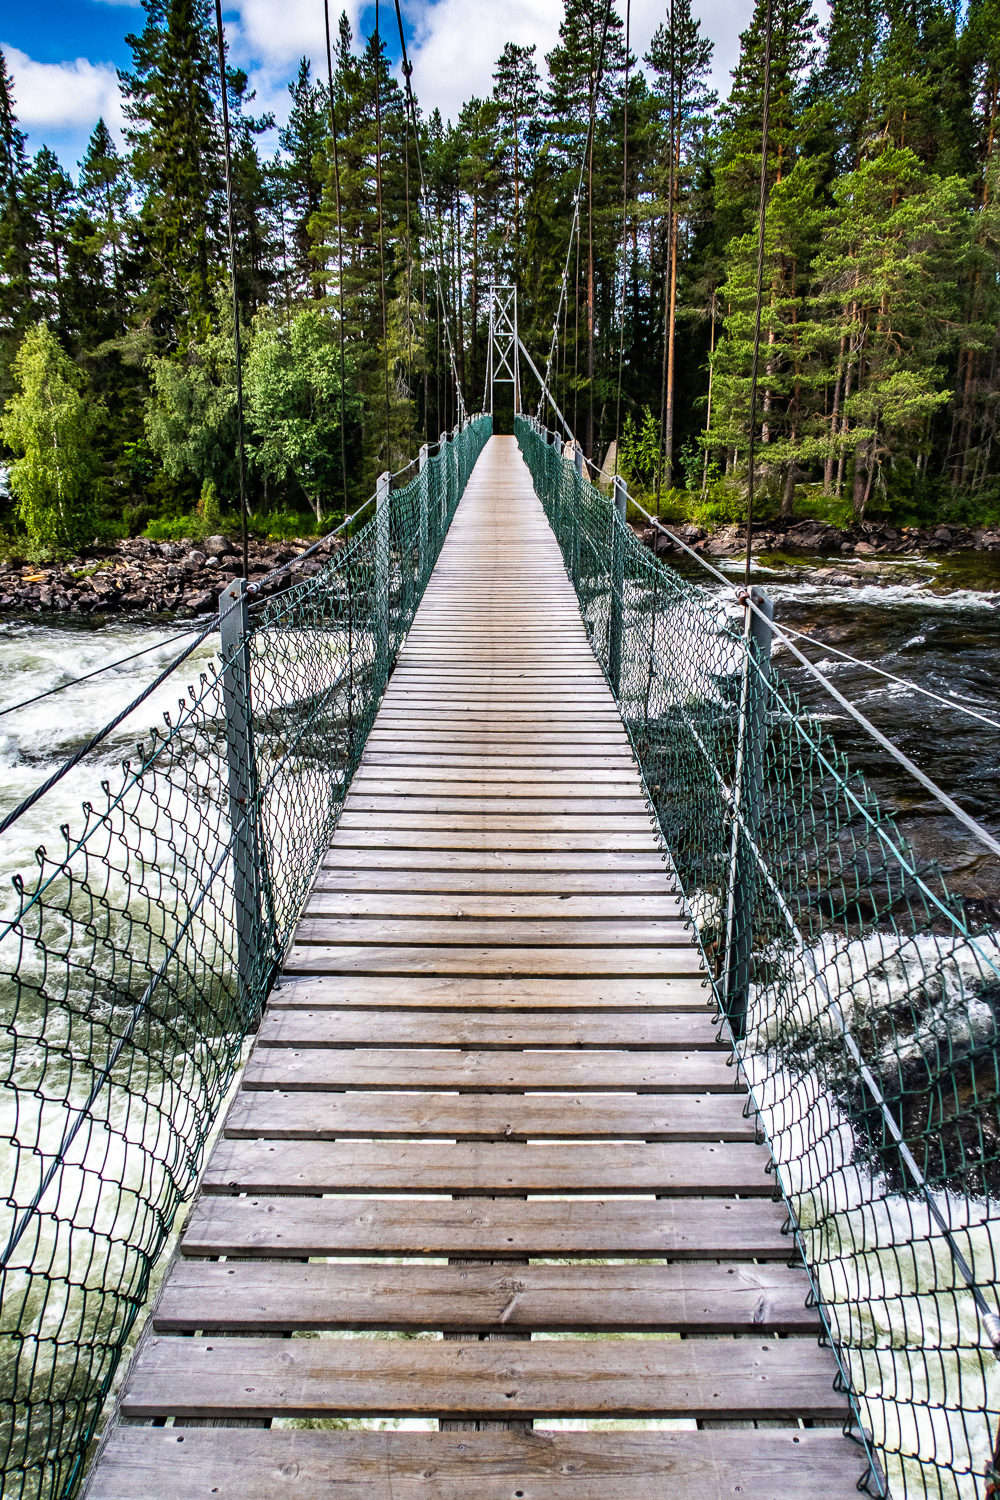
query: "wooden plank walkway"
490, 1063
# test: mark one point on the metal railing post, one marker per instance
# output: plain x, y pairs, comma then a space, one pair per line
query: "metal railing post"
382, 562
617, 584
574, 544
424, 481
444, 454
747, 804
234, 642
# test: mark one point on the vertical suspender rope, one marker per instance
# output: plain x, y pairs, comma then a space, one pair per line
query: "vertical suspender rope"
240, 447
621, 339
381, 236
669, 266
761, 224
340, 248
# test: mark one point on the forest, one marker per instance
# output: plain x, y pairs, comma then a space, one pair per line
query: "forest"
362, 294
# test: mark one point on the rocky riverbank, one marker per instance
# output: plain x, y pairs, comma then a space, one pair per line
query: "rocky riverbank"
869, 539
183, 579
139, 577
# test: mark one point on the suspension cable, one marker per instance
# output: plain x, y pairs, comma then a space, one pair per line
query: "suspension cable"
621, 340
959, 704
240, 449
340, 247
761, 225
381, 236
122, 661
669, 265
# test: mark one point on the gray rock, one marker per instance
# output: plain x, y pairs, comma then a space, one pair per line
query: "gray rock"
218, 546
195, 559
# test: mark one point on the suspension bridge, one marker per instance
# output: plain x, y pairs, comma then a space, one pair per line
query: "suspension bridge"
622, 1114
491, 1062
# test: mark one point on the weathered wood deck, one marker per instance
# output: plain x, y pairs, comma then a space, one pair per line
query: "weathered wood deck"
491, 1062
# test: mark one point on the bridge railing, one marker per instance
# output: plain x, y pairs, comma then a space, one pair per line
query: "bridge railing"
861, 995
136, 954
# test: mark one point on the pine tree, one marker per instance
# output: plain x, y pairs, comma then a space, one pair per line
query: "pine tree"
680, 59
16, 230
51, 197
169, 100
301, 177
887, 273
793, 54
517, 92
104, 194
791, 357
585, 70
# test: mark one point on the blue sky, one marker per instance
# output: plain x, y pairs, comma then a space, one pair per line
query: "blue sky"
63, 53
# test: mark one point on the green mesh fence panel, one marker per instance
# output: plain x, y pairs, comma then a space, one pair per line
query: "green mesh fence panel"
137, 954
861, 995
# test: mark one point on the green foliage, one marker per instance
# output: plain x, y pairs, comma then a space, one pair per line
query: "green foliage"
296, 406
50, 426
639, 452
191, 414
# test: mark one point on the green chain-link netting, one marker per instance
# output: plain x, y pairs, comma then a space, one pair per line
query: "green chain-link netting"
862, 996
138, 953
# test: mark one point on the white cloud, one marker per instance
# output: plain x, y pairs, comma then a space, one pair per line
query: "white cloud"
63, 96
457, 42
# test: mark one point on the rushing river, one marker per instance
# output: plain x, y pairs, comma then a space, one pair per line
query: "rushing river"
936, 622
35, 740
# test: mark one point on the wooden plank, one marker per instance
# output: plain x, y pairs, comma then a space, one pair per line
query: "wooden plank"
583, 963
471, 993
154, 1463
398, 776
489, 1072
675, 1229
606, 862
482, 1030
546, 802
685, 1298
378, 1116
703, 1378
636, 824
619, 1168
471, 905
496, 932
489, 840
609, 887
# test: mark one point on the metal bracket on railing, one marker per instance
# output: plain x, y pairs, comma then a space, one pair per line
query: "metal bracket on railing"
234, 633
617, 584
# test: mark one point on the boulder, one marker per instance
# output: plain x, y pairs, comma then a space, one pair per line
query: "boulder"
195, 559
217, 546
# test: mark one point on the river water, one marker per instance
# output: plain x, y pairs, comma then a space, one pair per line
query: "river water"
936, 622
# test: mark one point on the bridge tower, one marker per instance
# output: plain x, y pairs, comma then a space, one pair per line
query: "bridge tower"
502, 364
